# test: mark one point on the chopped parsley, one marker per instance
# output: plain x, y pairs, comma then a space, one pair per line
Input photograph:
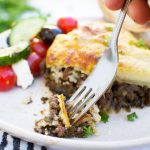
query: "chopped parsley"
140, 43
109, 28
46, 119
106, 40
104, 117
88, 131
132, 117
131, 42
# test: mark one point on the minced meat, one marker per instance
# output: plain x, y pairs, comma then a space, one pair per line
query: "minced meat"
64, 80
126, 96
119, 96
52, 125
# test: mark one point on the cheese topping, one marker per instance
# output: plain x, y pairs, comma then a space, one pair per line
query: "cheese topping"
23, 72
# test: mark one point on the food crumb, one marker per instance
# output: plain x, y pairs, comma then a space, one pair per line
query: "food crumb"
27, 101
42, 112
44, 100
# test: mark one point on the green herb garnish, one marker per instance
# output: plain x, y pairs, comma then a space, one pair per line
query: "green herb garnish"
106, 40
131, 43
109, 28
140, 43
132, 117
104, 117
46, 119
88, 131
12, 10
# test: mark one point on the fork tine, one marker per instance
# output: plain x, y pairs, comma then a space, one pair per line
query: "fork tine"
79, 91
75, 96
81, 105
79, 99
89, 104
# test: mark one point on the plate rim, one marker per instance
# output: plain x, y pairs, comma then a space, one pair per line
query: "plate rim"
57, 142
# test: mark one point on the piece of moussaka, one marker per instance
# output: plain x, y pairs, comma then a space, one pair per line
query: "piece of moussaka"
55, 121
73, 56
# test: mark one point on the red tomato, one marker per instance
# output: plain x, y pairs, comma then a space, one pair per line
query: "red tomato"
34, 61
67, 24
39, 47
7, 78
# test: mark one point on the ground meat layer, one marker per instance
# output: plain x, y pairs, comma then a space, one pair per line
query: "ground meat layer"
52, 125
119, 96
126, 96
64, 80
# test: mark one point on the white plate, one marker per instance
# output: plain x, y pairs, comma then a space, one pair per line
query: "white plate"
118, 134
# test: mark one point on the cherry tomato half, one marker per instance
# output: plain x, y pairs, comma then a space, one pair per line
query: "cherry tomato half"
7, 78
39, 47
34, 61
67, 24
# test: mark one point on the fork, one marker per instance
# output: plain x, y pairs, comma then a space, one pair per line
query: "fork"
102, 76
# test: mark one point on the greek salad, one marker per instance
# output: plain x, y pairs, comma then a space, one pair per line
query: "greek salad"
28, 41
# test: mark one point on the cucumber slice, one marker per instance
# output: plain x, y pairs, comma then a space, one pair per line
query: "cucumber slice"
13, 54
26, 29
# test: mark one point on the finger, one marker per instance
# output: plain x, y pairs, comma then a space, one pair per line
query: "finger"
114, 4
139, 11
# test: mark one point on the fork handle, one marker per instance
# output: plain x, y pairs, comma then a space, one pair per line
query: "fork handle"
119, 23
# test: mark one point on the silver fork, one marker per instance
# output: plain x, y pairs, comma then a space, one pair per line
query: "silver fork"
102, 76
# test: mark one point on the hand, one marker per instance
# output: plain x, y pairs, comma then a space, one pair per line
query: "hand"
139, 10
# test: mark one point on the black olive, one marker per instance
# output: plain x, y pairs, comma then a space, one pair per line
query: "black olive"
57, 31
47, 35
